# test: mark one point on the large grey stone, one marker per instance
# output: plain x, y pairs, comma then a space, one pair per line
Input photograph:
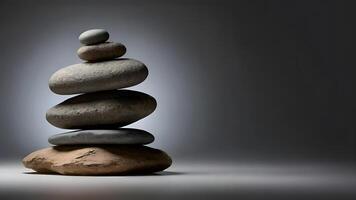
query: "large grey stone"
102, 136
93, 36
93, 77
98, 160
106, 109
101, 52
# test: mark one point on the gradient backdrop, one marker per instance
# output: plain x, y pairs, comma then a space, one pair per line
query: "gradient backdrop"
234, 80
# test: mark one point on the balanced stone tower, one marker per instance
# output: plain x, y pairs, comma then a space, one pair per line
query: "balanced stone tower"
99, 146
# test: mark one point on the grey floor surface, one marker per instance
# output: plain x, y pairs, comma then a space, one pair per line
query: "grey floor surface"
186, 180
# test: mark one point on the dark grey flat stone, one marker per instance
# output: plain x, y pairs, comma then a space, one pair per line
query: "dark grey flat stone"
108, 109
101, 136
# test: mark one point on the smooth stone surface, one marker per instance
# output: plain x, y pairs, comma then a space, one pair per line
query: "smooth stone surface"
101, 52
98, 160
109, 109
93, 36
93, 77
119, 136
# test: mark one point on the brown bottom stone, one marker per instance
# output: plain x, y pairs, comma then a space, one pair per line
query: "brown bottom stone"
98, 160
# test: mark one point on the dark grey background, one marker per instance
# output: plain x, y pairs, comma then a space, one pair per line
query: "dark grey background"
234, 80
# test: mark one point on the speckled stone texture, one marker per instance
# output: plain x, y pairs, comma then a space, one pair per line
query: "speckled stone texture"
93, 77
108, 109
101, 52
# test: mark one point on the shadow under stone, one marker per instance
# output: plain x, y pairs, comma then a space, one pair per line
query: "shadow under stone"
163, 173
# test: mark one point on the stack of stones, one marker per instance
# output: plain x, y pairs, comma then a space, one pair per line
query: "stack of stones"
100, 146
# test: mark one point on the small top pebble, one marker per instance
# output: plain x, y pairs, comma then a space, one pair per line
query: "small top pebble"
93, 36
